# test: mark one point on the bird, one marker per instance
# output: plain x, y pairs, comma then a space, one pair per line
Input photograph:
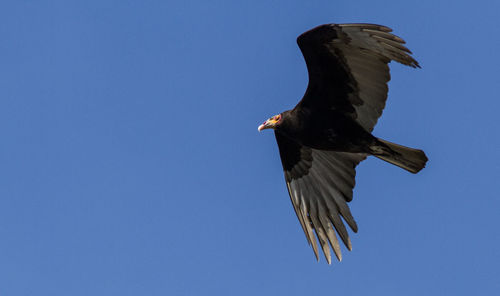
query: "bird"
329, 132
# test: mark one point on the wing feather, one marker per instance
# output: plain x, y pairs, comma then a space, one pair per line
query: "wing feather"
304, 206
395, 44
384, 35
348, 64
320, 232
320, 193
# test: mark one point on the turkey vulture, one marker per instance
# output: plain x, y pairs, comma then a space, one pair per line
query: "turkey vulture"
328, 133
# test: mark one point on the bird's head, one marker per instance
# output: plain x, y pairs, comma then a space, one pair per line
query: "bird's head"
272, 122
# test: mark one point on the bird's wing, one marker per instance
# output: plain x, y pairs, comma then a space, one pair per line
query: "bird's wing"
348, 71
320, 184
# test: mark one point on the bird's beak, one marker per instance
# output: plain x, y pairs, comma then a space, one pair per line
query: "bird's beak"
262, 126
270, 123
267, 124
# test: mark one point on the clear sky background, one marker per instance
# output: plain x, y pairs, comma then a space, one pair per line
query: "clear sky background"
130, 162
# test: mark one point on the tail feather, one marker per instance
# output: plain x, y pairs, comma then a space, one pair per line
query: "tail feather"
410, 159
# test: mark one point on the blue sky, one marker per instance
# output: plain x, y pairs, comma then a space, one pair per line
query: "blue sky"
130, 162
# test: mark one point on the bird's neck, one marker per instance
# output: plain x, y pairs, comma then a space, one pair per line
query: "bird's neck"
292, 124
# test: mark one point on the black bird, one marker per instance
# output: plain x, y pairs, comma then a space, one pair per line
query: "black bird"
329, 131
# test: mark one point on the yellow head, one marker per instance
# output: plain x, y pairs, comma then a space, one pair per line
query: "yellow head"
271, 122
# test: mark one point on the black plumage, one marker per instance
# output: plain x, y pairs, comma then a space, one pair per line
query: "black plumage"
328, 133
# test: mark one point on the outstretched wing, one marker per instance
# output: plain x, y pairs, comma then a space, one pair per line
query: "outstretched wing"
320, 184
348, 68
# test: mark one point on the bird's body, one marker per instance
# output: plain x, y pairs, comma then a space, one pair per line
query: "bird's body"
325, 130
328, 133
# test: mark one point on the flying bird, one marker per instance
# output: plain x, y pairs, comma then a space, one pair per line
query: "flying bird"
328, 133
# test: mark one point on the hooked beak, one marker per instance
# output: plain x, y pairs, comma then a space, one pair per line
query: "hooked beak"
263, 126
270, 123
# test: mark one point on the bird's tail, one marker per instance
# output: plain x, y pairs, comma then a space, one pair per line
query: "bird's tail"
410, 159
